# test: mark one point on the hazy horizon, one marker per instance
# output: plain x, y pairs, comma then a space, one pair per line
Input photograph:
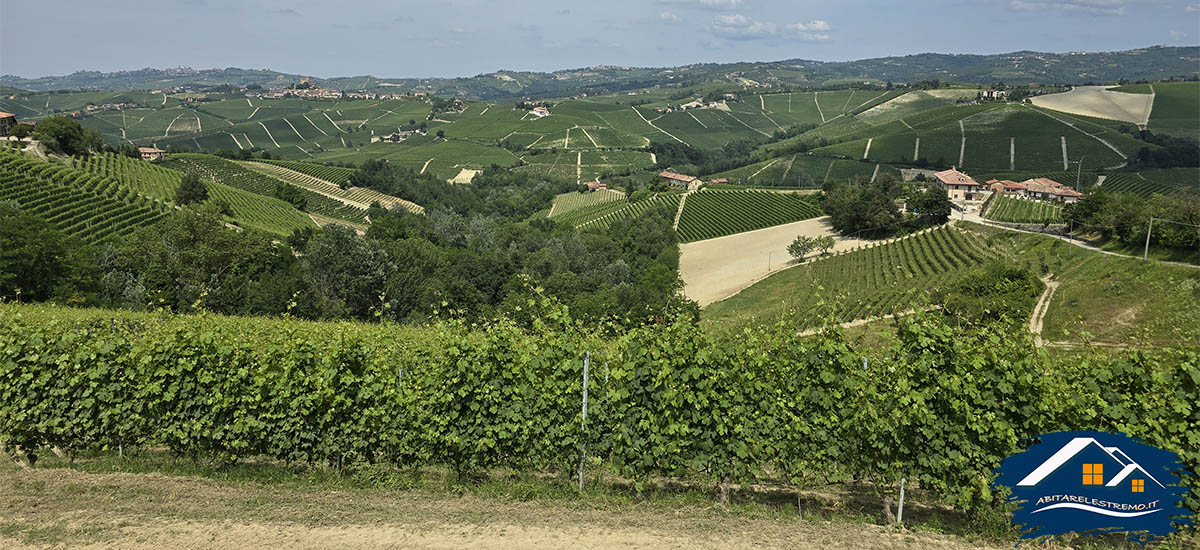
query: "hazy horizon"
459, 38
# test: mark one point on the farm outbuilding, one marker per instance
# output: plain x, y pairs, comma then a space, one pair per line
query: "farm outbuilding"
7, 122
680, 180
151, 153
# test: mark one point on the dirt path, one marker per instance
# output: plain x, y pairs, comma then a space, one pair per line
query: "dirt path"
293, 127
639, 114
168, 130
1086, 133
1064, 152
747, 125
962, 148
314, 125
426, 165
332, 122
819, 111
578, 166
264, 127
716, 269
64, 508
867, 151
1043, 305
760, 170
589, 136
875, 173
702, 125
252, 113
1012, 153
916, 149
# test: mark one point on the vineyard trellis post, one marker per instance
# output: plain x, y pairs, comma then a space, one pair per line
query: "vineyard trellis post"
587, 359
1146, 250
900, 506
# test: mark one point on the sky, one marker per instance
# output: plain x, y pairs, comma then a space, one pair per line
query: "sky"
447, 38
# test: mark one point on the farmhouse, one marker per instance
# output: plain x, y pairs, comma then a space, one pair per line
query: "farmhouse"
595, 185
7, 121
1050, 190
1006, 187
995, 94
540, 112
718, 180
958, 185
151, 153
680, 180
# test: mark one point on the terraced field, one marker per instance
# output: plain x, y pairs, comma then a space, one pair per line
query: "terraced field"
1019, 210
355, 197
1136, 185
886, 278
89, 206
573, 201
715, 213
603, 215
229, 173
333, 174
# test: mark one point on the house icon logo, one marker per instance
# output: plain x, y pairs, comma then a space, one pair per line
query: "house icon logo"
1094, 481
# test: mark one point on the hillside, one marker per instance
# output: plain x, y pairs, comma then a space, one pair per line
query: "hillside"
1151, 302
1015, 67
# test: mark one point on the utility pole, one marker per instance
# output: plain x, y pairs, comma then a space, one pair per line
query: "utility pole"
1078, 169
769, 252
1146, 251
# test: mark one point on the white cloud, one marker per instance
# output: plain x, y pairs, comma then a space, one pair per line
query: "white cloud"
1177, 36
814, 25
705, 4
668, 16
740, 27
1091, 7
1192, 7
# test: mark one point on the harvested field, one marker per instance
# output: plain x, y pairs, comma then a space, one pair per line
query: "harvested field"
464, 176
716, 269
1100, 102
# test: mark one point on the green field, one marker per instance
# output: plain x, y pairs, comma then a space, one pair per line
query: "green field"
886, 278
599, 217
991, 133
1176, 109
709, 214
1003, 208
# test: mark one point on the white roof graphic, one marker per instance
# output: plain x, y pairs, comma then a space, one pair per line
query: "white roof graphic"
1074, 447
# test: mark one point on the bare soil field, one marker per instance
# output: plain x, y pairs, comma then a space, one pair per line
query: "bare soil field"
716, 269
464, 176
1100, 102
56, 508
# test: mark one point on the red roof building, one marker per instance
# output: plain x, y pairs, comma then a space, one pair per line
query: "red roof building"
958, 185
7, 121
672, 178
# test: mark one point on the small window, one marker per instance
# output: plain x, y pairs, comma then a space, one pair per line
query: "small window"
1139, 485
1093, 474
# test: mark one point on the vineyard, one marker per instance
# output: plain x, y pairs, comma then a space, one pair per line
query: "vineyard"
147, 179
1003, 208
941, 408
602, 216
354, 197
870, 282
158, 181
234, 175
88, 206
708, 214
569, 202
1136, 185
336, 175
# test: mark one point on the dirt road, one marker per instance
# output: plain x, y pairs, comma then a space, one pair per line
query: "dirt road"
66, 508
718, 268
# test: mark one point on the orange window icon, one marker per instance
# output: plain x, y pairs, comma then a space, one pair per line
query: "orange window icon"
1093, 474
1139, 485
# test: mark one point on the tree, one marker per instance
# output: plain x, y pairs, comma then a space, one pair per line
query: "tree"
64, 136
21, 131
825, 243
191, 190
441, 133
39, 262
802, 246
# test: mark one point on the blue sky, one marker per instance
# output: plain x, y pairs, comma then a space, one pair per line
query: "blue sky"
466, 37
